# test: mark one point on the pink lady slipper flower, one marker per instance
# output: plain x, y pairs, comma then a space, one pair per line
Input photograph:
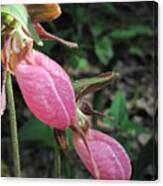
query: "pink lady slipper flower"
47, 90
110, 157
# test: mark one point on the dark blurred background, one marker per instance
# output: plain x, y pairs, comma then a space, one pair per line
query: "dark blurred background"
112, 36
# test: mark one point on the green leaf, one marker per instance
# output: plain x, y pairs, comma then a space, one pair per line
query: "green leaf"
69, 135
78, 62
103, 50
131, 32
134, 128
118, 108
119, 116
136, 51
35, 131
89, 85
109, 7
19, 12
97, 29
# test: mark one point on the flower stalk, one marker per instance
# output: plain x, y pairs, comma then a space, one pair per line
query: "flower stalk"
57, 158
13, 126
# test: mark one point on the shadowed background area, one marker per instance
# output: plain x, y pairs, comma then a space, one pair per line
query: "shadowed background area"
112, 36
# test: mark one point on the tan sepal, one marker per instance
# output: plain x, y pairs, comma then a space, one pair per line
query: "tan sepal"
43, 12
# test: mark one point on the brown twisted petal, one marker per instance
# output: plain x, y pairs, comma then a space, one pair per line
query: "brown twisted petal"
43, 12
47, 36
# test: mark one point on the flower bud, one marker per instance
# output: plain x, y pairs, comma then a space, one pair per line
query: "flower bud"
47, 90
110, 157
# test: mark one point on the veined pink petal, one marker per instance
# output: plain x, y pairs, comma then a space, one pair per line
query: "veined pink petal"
47, 90
111, 159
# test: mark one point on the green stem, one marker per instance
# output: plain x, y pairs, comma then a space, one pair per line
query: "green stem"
67, 168
13, 126
57, 158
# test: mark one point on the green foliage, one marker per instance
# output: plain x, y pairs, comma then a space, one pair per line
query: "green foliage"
69, 136
130, 32
117, 116
109, 7
79, 62
103, 50
98, 31
118, 109
35, 131
19, 12
136, 51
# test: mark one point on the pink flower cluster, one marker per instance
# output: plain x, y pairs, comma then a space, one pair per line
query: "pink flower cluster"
48, 92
